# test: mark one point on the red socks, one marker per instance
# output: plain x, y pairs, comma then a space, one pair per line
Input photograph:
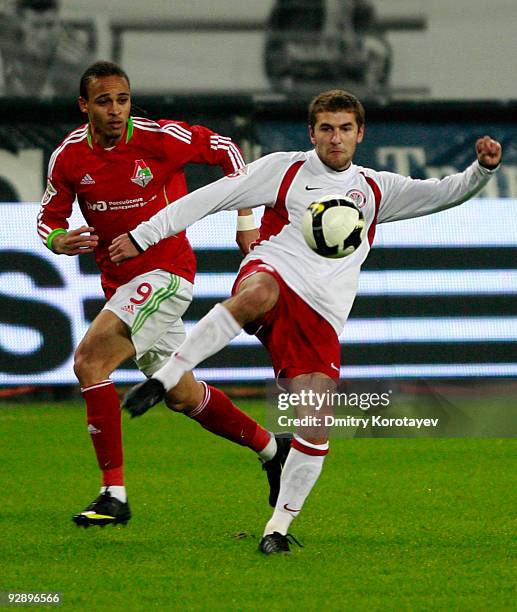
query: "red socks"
218, 414
104, 427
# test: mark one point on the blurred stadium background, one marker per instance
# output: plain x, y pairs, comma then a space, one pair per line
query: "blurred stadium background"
438, 295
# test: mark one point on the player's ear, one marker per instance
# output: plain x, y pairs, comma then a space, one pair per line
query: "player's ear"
83, 105
311, 135
360, 134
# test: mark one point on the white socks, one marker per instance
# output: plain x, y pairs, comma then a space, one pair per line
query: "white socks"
212, 333
119, 492
300, 473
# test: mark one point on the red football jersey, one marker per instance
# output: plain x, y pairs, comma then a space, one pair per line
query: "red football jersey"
117, 188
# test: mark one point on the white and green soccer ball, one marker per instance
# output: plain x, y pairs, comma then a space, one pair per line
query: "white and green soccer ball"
333, 226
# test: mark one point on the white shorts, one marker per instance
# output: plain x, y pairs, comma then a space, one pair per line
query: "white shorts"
152, 305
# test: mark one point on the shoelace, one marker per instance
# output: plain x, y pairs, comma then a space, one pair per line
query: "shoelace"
279, 538
292, 540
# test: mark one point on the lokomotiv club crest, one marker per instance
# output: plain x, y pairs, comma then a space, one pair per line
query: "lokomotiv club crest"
142, 174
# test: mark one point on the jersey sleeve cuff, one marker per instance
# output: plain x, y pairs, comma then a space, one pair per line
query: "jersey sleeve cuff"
135, 243
52, 235
487, 169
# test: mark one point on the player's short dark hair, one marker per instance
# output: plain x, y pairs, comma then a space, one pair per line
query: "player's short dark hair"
99, 70
333, 101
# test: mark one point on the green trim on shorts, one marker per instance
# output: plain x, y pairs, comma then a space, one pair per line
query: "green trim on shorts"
154, 303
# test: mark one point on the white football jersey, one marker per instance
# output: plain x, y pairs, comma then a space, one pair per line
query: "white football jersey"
286, 183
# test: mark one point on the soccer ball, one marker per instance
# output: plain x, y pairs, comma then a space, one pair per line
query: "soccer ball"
333, 226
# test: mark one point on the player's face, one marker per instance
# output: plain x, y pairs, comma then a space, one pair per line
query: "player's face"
108, 107
40, 31
335, 137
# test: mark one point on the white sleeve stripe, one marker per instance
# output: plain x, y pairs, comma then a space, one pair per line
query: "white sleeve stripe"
237, 153
233, 152
43, 226
234, 159
183, 134
180, 129
171, 132
218, 137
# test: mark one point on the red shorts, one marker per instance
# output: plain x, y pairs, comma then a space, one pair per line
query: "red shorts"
299, 340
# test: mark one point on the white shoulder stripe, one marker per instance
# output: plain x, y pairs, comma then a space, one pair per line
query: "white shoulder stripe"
145, 120
148, 128
172, 131
139, 123
83, 129
75, 136
179, 128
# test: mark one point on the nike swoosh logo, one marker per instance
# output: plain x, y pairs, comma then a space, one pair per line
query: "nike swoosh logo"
307, 188
286, 507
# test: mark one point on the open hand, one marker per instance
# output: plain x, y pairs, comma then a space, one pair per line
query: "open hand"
76, 242
122, 248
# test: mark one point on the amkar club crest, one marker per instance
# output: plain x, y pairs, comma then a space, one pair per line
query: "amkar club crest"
142, 174
357, 196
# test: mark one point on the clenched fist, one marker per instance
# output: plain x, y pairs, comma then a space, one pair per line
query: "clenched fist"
489, 152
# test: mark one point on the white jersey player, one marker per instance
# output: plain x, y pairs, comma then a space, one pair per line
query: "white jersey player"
293, 299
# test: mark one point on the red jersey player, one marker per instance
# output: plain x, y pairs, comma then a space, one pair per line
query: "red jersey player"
294, 300
122, 170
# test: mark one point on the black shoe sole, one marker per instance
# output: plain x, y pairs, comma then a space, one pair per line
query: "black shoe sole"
274, 552
83, 521
142, 397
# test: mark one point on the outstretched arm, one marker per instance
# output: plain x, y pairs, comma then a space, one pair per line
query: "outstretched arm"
255, 186
406, 198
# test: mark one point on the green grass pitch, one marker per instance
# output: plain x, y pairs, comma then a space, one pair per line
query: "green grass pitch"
422, 524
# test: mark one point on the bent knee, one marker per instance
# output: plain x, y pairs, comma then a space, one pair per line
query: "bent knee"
88, 367
257, 298
83, 362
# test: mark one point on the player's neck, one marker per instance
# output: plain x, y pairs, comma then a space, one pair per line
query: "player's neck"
341, 169
103, 140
